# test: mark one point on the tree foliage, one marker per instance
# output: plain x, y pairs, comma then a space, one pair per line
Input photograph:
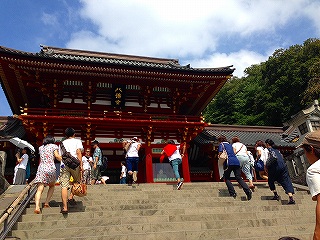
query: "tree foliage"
272, 91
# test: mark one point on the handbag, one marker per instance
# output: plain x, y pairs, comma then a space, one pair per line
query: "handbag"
69, 160
79, 188
259, 165
223, 158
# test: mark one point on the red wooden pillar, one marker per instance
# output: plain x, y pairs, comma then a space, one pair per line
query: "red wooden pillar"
149, 168
215, 169
185, 168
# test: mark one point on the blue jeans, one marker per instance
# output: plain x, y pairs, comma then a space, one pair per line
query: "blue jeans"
245, 165
132, 163
175, 166
123, 180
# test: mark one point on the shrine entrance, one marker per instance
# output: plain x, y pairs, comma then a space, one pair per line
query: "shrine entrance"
109, 97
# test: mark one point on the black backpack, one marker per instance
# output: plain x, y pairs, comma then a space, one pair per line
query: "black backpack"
104, 163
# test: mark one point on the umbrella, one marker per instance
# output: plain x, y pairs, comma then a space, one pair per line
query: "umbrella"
21, 143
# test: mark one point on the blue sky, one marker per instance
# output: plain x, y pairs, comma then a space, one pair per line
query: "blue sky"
203, 33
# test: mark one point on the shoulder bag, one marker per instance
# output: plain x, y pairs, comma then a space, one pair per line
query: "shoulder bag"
223, 158
69, 160
239, 150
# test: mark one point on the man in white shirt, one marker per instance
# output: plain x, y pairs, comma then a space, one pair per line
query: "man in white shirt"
132, 157
75, 147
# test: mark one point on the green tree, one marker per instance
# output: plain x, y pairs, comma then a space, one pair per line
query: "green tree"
313, 90
272, 91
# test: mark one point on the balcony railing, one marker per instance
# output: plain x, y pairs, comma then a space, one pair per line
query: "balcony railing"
109, 114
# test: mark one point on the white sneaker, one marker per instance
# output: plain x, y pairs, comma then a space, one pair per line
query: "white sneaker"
179, 185
134, 176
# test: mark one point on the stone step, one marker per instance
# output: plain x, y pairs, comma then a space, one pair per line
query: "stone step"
159, 211
208, 201
235, 206
188, 185
176, 235
188, 231
208, 219
174, 199
105, 194
114, 195
195, 214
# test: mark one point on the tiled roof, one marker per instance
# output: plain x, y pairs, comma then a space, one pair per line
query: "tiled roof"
119, 59
248, 134
291, 135
13, 127
116, 59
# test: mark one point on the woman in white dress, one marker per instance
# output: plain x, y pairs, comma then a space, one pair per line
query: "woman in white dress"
46, 173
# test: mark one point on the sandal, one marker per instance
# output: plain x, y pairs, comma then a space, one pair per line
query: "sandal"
64, 211
37, 211
72, 202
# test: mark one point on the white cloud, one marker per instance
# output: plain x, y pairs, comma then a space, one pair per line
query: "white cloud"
240, 61
199, 32
312, 12
49, 19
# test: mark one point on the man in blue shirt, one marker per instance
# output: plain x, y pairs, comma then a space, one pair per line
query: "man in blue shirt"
97, 163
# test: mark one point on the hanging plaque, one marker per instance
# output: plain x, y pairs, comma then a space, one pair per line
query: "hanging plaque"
118, 96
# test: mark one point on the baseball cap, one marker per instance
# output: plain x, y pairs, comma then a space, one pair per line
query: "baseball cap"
134, 138
312, 139
94, 142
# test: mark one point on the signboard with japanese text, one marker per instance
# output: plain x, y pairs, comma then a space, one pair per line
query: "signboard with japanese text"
118, 96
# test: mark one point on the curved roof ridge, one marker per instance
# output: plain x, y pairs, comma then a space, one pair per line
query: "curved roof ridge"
64, 51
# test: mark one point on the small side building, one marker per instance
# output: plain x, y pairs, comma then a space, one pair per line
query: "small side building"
305, 121
204, 151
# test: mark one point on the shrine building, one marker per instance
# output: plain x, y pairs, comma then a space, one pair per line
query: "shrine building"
111, 98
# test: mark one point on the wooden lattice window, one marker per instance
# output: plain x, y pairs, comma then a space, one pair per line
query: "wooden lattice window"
104, 85
161, 89
72, 83
133, 87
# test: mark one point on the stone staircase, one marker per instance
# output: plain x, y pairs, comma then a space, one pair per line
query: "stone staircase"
159, 211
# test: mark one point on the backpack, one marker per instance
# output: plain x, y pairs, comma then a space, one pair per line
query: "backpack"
272, 159
104, 163
259, 165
